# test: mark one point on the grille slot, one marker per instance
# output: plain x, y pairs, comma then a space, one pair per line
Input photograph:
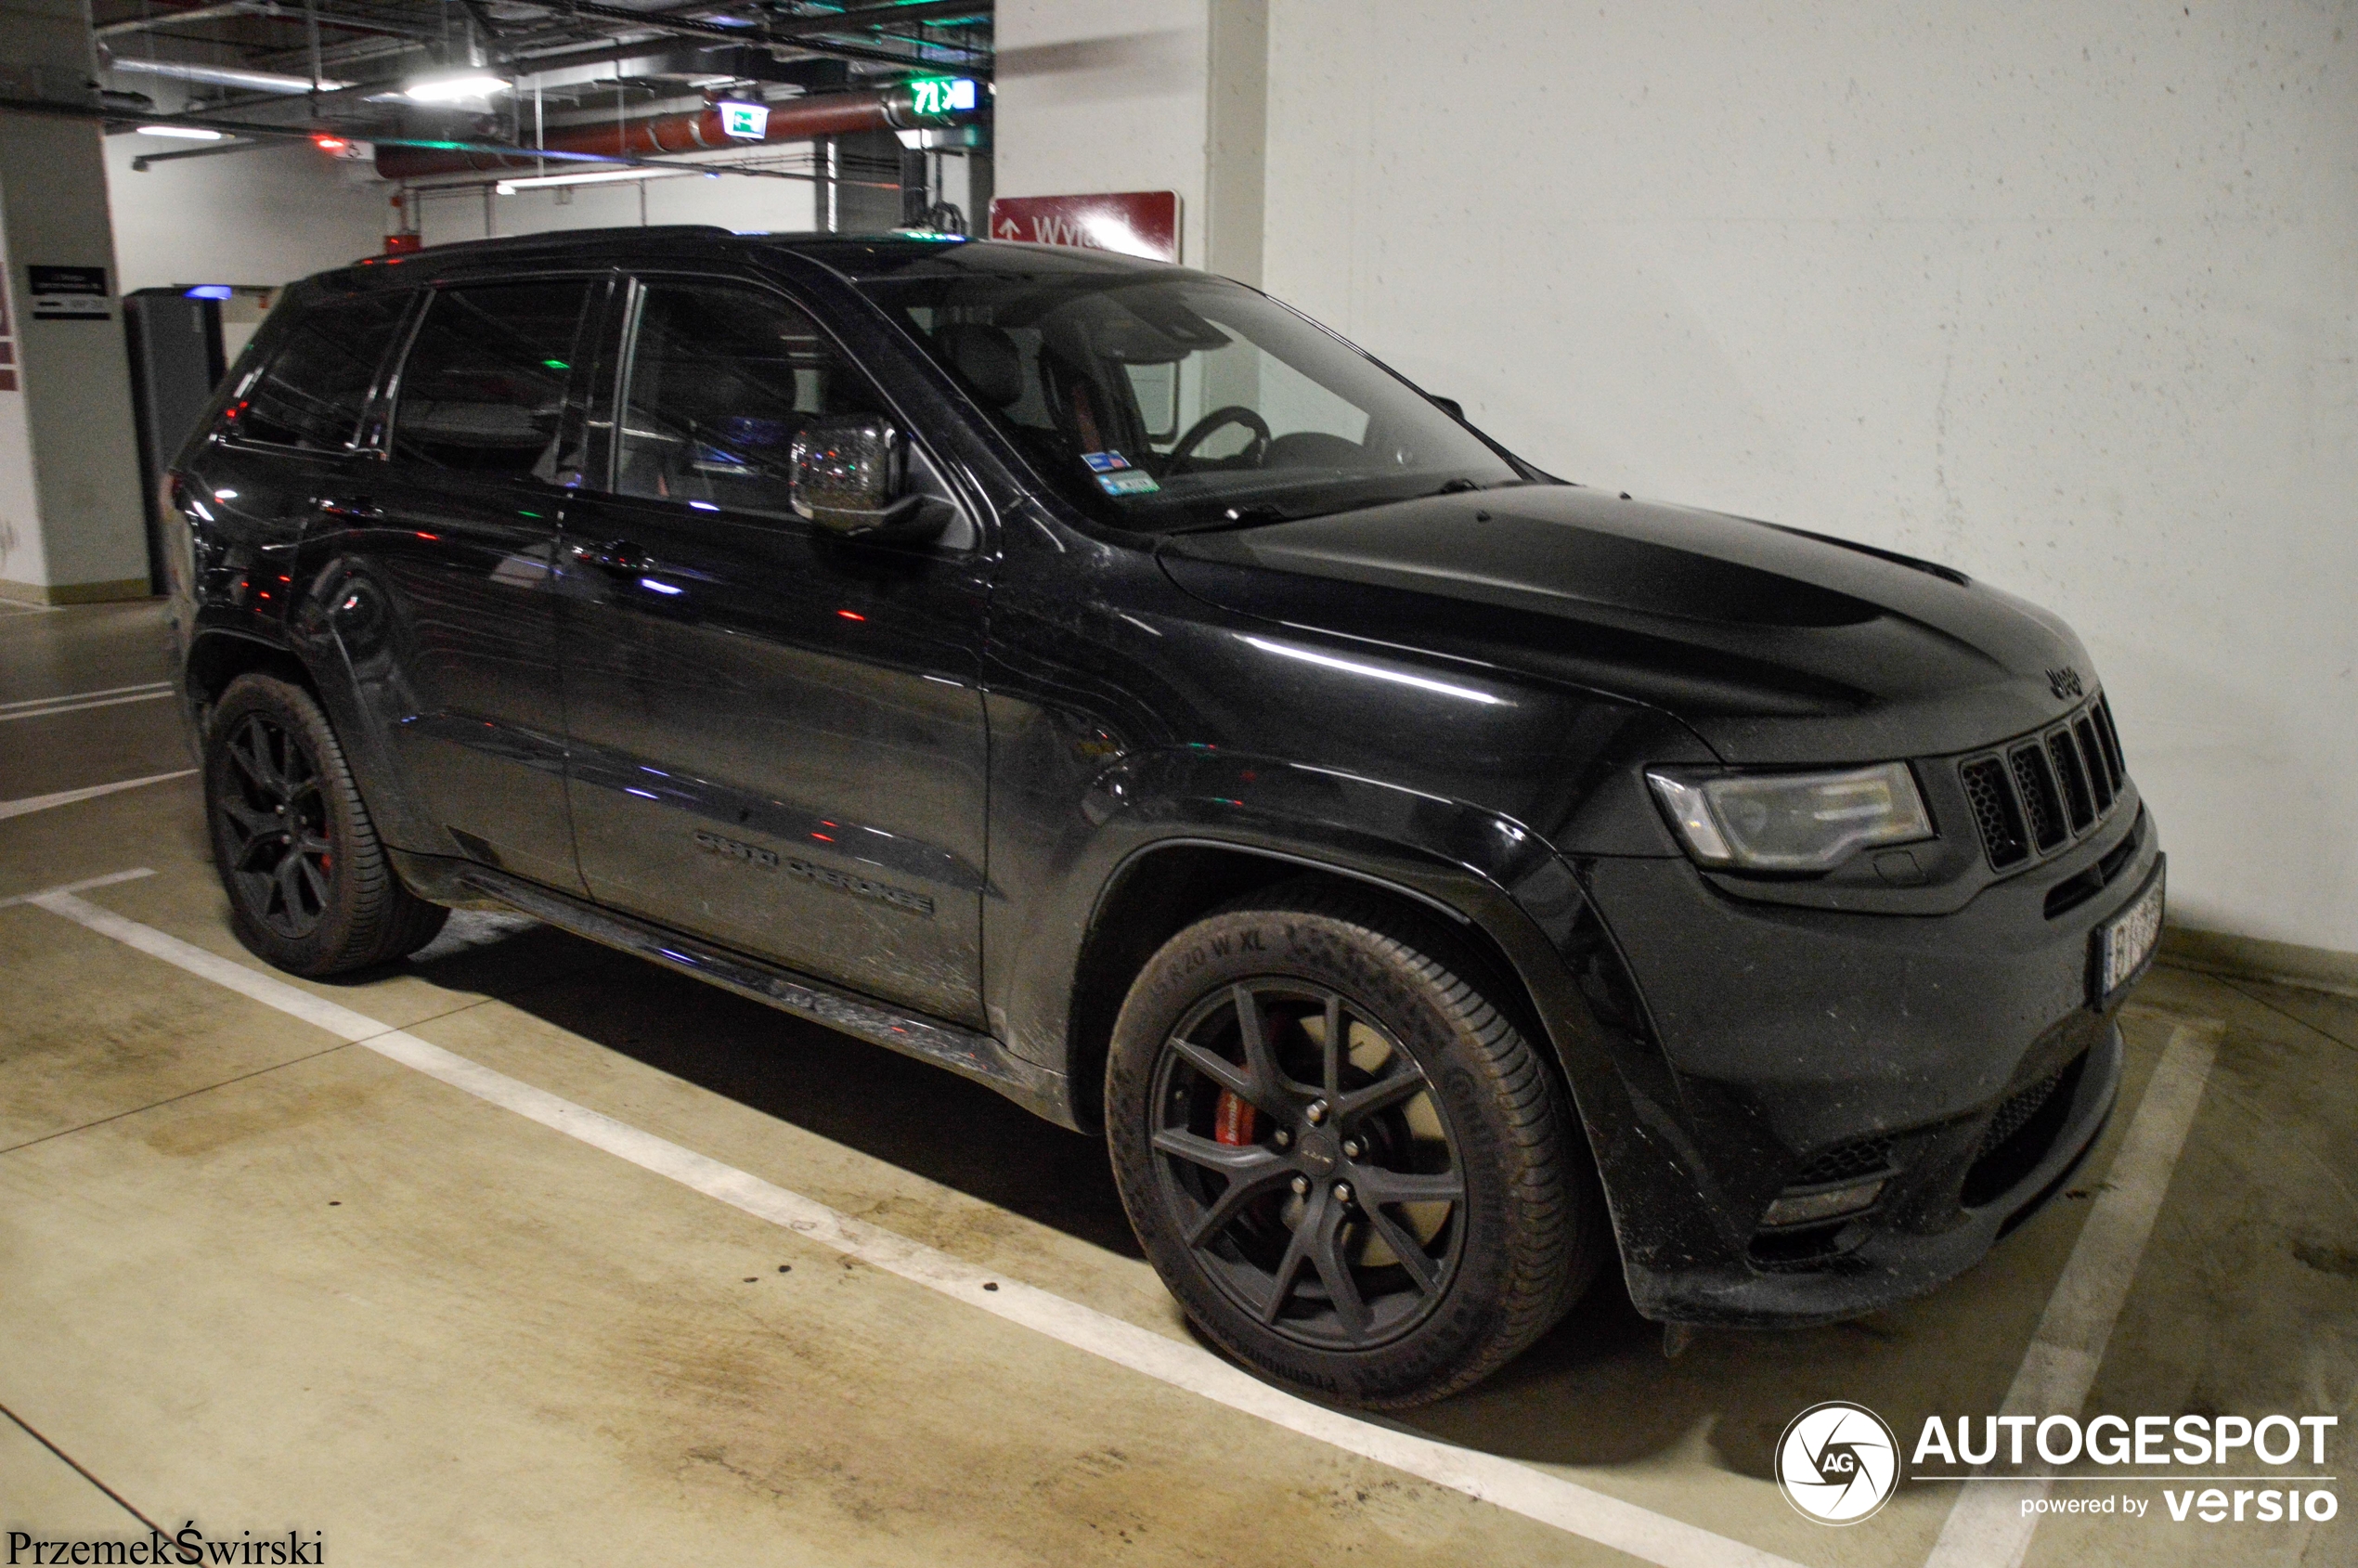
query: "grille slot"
2074, 779
2040, 807
1994, 810
2017, 1110
1845, 1160
2109, 738
2100, 777
2042, 793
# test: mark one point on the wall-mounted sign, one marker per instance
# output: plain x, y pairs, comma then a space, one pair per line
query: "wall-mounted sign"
745, 122
942, 94
68, 294
1132, 223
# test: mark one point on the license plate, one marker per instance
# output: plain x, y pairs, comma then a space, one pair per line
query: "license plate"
2124, 943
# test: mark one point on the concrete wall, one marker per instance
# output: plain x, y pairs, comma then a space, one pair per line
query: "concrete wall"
2063, 293
732, 201
269, 216
1103, 94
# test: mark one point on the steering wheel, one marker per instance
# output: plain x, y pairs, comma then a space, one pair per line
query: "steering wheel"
1235, 413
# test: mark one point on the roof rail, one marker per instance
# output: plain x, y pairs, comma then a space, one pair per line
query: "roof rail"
563, 237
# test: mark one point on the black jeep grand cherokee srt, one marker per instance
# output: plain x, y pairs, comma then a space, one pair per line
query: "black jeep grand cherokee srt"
1433, 878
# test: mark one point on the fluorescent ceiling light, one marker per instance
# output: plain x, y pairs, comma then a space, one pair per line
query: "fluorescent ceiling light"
186, 132
455, 89
595, 177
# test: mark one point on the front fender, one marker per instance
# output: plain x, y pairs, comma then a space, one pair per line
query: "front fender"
1513, 895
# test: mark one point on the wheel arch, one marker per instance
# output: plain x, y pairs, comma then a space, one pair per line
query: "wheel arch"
1164, 886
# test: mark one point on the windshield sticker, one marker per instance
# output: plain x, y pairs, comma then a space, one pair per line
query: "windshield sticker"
1104, 462
1132, 484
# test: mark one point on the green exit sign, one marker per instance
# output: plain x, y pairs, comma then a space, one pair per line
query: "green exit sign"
942, 94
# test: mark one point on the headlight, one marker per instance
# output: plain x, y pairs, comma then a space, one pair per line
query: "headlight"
1791, 821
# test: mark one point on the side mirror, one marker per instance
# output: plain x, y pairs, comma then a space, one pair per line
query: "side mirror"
846, 474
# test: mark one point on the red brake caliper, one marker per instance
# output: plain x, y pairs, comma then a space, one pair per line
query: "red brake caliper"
1232, 1119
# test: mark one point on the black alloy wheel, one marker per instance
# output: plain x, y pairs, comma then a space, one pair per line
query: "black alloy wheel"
1306, 1159
274, 819
1348, 1162
311, 889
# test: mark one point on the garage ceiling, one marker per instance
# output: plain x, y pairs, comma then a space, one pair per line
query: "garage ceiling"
344, 67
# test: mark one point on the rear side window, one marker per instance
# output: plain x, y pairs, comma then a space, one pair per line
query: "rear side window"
722, 379
483, 389
310, 394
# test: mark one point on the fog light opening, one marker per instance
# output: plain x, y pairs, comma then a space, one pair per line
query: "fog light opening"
1807, 1207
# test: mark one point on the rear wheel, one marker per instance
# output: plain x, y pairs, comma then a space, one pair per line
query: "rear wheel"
310, 888
1347, 1162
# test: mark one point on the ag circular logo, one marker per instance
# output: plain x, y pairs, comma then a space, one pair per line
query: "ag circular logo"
1838, 1462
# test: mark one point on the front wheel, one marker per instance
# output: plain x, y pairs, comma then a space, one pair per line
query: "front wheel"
1346, 1161
310, 888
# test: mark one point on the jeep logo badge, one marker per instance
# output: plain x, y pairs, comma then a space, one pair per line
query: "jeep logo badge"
2065, 682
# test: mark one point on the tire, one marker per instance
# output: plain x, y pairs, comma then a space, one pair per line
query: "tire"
311, 891
1380, 1224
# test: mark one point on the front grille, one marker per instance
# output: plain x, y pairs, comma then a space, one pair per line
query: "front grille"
1861, 1159
2043, 792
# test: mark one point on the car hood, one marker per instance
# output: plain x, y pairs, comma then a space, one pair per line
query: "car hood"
1773, 644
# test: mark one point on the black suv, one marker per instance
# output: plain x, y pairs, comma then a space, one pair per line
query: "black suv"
1436, 879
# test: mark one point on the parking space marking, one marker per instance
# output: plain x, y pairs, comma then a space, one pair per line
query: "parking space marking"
43, 707
68, 797
79, 696
1595, 1516
107, 881
1987, 1527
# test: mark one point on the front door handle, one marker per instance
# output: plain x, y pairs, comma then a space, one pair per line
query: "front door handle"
615, 555
359, 508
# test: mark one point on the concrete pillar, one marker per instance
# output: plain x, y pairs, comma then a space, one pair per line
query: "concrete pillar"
1236, 151
72, 528
1111, 95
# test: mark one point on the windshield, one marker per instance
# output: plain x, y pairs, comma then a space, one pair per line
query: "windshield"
1168, 401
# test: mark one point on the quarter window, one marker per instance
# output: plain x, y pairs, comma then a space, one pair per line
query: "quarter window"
483, 387
310, 394
722, 381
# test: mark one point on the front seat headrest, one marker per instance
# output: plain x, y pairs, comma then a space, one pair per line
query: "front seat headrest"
986, 356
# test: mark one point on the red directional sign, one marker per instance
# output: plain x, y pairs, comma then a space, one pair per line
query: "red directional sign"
1134, 223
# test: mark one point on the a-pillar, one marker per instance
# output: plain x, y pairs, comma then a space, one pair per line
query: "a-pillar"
72, 528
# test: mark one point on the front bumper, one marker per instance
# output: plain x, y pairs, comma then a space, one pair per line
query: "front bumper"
1958, 1056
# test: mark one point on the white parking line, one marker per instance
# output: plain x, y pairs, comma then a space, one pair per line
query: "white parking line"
1987, 1527
68, 797
1609, 1520
66, 706
77, 696
107, 881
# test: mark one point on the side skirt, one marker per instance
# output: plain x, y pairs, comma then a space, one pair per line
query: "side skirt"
962, 1051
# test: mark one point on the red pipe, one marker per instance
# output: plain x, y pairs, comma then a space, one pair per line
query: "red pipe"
661, 135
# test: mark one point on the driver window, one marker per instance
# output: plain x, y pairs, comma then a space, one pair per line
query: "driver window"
721, 378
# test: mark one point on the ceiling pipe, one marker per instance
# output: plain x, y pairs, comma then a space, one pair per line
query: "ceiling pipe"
169, 18
222, 75
823, 114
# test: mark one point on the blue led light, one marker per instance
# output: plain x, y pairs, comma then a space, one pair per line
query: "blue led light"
655, 587
209, 291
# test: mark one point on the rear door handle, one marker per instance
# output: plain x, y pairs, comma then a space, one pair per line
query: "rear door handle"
359, 507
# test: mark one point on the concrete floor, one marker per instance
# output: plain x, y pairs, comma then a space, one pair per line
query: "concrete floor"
258, 1277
